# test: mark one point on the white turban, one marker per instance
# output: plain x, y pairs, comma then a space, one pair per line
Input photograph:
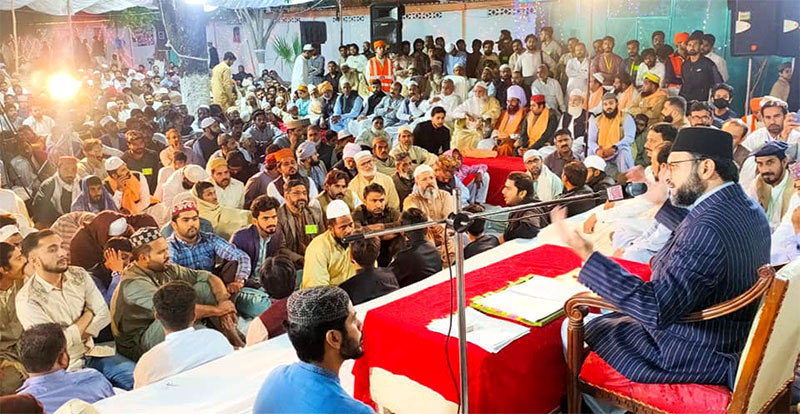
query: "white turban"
516, 91
361, 155
577, 92
593, 161
8, 231
350, 150
195, 173
305, 150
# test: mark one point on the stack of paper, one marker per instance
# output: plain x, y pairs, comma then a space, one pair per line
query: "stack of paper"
489, 333
535, 302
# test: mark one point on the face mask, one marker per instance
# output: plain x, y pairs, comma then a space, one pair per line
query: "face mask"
721, 103
668, 119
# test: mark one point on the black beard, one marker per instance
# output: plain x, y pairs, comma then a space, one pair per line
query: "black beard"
690, 191
611, 115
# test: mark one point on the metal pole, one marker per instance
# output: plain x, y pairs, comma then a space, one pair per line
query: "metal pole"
462, 306
341, 25
747, 92
590, 56
16, 40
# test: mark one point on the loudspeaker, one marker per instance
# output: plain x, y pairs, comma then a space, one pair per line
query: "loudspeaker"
313, 33
386, 23
754, 29
789, 26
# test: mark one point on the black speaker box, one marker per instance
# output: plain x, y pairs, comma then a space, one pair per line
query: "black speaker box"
386, 23
313, 33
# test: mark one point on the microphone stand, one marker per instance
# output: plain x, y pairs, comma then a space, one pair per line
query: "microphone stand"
459, 221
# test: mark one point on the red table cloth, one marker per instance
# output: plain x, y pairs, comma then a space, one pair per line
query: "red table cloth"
499, 168
529, 375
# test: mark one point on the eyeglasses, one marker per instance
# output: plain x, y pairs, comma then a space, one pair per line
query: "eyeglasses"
674, 164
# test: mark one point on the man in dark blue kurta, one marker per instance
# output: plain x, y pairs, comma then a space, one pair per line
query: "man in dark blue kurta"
712, 256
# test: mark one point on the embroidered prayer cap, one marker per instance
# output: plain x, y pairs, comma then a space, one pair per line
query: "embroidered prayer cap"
317, 305
8, 231
681, 37
350, 150
106, 119
422, 169
144, 236
195, 173
593, 161
112, 163
216, 163
538, 98
207, 122
447, 163
599, 77
706, 141
306, 150
609, 95
379, 43
183, 206
283, 154
652, 77
343, 134
516, 91
531, 153
308, 47
362, 155
336, 209
776, 148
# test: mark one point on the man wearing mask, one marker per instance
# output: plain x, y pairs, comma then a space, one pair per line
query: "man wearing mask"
328, 257
698, 72
56, 194
611, 135
674, 111
721, 97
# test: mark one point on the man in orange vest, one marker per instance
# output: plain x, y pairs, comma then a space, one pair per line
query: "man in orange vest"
673, 65
380, 67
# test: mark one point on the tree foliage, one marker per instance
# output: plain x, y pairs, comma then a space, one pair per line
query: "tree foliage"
134, 17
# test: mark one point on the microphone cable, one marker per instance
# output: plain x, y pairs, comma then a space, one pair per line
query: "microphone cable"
450, 326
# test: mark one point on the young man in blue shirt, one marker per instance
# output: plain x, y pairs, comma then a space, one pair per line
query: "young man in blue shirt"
325, 331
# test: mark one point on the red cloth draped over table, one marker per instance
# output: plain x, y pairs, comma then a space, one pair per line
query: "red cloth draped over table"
529, 375
499, 168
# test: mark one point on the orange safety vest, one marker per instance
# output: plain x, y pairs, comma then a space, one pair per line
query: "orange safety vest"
381, 70
677, 62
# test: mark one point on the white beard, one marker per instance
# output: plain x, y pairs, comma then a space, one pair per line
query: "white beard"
574, 111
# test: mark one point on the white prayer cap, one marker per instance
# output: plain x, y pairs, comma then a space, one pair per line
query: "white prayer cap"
106, 119
8, 231
290, 106
421, 169
117, 227
203, 107
593, 161
111, 104
162, 91
308, 47
577, 92
411, 82
482, 84
336, 209
343, 134
449, 47
112, 163
138, 76
362, 155
350, 150
504, 66
207, 122
599, 77
195, 173
530, 154
402, 128
458, 64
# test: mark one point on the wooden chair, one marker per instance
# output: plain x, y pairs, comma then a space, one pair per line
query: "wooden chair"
766, 368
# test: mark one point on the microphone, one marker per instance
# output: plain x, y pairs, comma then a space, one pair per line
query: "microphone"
624, 192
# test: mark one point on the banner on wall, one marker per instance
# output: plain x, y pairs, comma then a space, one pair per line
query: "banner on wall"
143, 36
